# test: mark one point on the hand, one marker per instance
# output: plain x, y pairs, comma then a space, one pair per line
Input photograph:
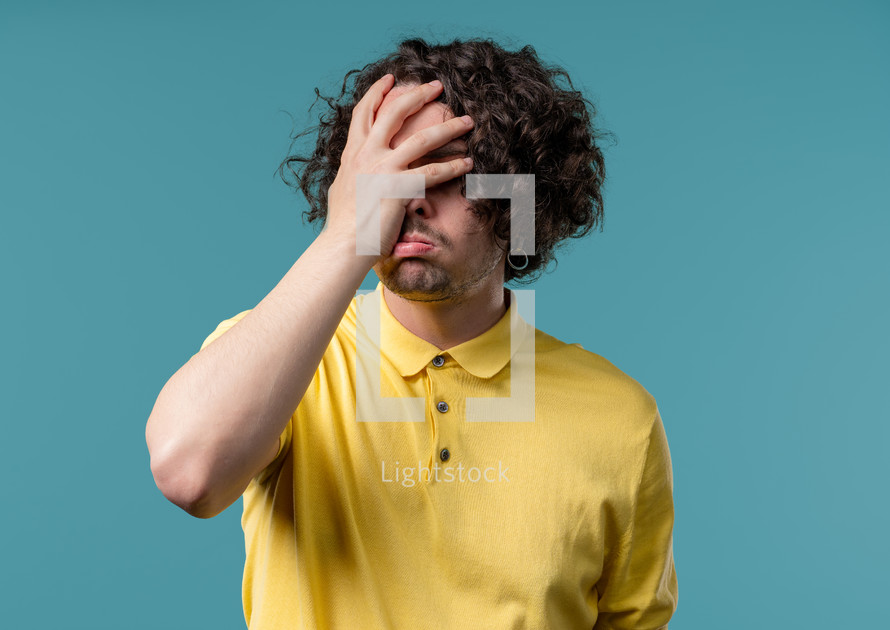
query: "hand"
368, 150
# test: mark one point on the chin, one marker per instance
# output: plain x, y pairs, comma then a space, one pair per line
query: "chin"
417, 282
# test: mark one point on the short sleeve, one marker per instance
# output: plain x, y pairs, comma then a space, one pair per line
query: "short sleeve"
222, 327
640, 588
285, 437
284, 441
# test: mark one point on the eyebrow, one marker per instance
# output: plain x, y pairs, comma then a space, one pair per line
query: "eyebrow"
455, 147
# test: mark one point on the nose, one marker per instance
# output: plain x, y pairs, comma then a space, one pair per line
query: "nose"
418, 206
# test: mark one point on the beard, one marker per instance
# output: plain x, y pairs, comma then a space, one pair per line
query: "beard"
421, 280
417, 280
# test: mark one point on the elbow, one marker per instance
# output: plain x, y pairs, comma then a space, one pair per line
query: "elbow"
174, 468
181, 484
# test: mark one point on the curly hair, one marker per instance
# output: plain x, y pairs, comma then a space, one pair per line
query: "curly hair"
525, 122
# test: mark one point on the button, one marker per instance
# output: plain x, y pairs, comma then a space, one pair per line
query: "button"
444, 455
439, 361
442, 406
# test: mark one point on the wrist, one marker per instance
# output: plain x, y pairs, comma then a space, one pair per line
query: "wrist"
341, 246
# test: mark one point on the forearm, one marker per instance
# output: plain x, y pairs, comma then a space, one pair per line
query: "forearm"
214, 421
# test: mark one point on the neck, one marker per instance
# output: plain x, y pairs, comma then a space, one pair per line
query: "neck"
447, 324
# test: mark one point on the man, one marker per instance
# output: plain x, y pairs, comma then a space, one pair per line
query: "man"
358, 513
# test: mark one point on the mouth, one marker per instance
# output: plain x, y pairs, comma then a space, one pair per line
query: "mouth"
413, 238
410, 245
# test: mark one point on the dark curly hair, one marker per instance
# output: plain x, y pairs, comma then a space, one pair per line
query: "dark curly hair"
525, 122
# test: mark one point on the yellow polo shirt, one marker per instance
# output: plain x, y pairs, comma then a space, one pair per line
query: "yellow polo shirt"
561, 520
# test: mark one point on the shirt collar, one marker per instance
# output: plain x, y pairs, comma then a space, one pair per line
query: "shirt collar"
483, 356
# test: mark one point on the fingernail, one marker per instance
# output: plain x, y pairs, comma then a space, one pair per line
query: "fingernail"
436, 83
467, 120
468, 161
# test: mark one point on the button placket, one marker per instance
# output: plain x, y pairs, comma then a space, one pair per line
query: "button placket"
442, 386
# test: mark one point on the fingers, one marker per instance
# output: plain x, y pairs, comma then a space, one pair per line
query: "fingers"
437, 173
428, 143
390, 121
374, 129
364, 111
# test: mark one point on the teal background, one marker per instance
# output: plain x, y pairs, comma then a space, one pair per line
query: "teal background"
742, 277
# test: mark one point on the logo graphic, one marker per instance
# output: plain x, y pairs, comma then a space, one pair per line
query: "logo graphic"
371, 405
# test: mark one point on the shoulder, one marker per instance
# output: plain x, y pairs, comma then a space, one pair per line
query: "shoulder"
574, 376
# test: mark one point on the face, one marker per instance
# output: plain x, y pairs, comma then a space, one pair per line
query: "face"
465, 257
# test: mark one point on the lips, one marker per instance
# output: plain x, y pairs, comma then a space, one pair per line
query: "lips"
412, 246
415, 238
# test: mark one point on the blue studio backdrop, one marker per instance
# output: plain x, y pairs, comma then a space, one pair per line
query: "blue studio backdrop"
741, 277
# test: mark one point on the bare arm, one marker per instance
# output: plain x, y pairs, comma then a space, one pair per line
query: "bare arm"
217, 420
